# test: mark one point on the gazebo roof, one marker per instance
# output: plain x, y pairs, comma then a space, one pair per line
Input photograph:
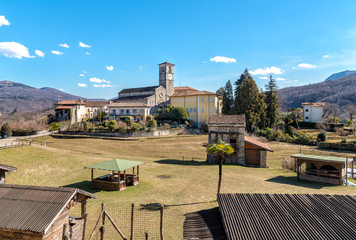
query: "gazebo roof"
320, 158
115, 165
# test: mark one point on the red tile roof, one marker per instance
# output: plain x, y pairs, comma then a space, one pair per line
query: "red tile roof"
316, 104
185, 89
183, 94
258, 143
64, 107
70, 102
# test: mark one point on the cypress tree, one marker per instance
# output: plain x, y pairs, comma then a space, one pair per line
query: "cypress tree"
271, 100
228, 99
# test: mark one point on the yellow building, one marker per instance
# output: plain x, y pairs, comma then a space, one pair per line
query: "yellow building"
199, 104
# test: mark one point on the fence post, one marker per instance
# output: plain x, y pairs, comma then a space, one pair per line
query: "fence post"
102, 229
161, 222
85, 225
146, 235
132, 220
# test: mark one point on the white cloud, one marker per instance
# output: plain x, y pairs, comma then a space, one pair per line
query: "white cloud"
14, 50
102, 85
263, 77
61, 89
222, 59
306, 65
110, 68
294, 67
82, 75
326, 56
64, 45
82, 85
267, 71
4, 21
84, 72
57, 52
87, 53
39, 53
83, 45
280, 79
98, 80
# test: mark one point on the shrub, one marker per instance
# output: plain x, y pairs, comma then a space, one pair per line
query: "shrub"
288, 164
336, 120
6, 130
86, 126
127, 119
112, 125
342, 132
349, 123
149, 117
186, 123
122, 126
322, 136
105, 123
55, 126
304, 138
152, 123
136, 126
343, 140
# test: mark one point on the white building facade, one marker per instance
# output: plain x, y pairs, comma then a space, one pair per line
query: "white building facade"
313, 112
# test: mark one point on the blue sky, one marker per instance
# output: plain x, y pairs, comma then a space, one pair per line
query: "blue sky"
298, 42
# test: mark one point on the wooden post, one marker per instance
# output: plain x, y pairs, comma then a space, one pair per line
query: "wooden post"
138, 174
132, 220
161, 222
83, 208
352, 168
64, 232
115, 226
119, 180
92, 175
102, 229
346, 170
133, 172
125, 178
146, 235
85, 225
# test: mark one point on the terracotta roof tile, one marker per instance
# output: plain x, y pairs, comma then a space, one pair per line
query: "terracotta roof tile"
193, 93
258, 143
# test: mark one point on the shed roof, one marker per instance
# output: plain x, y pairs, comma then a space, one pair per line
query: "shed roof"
320, 158
258, 144
7, 168
115, 165
288, 216
33, 208
227, 119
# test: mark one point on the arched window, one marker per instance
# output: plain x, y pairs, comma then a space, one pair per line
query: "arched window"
169, 69
162, 69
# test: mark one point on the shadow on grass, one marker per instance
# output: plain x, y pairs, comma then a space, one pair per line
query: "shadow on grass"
83, 185
181, 162
300, 183
157, 206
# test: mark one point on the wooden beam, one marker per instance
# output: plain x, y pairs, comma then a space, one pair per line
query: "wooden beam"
138, 174
132, 220
83, 208
85, 226
115, 226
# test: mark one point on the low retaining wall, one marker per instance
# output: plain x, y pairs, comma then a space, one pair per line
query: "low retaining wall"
156, 133
339, 146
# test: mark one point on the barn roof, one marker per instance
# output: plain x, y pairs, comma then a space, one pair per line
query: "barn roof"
115, 165
288, 216
227, 119
7, 168
33, 208
258, 144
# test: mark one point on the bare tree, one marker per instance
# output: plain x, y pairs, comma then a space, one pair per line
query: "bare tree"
351, 109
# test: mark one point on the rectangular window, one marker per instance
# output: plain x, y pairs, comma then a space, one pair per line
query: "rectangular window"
202, 99
113, 111
211, 99
190, 110
211, 110
194, 110
128, 111
202, 110
190, 100
134, 110
194, 99
141, 111
122, 111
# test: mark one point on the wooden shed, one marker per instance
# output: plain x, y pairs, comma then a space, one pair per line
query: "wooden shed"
256, 152
33, 212
321, 168
5, 169
118, 179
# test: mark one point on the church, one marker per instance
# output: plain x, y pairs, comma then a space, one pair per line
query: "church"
142, 101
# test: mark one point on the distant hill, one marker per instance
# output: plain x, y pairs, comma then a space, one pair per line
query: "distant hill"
341, 91
25, 98
340, 75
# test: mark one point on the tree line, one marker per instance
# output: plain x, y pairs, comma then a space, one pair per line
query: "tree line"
259, 107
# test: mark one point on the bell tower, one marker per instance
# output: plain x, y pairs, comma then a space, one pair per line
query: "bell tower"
166, 77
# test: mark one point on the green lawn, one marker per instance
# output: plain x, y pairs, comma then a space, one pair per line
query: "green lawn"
182, 186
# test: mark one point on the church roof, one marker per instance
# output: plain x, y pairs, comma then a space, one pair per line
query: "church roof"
137, 97
127, 104
166, 63
139, 89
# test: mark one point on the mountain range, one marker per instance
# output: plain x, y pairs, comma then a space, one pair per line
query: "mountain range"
24, 98
340, 91
340, 75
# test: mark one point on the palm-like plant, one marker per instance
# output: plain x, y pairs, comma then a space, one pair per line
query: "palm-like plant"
220, 149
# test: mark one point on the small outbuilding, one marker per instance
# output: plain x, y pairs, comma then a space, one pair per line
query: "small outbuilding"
118, 179
321, 168
256, 152
5, 169
33, 212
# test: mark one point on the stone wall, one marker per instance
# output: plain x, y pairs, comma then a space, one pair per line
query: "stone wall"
338, 146
156, 133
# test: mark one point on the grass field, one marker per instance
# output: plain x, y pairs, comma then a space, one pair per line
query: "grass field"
332, 136
182, 186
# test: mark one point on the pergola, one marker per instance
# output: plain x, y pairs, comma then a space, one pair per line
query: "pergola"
321, 168
118, 179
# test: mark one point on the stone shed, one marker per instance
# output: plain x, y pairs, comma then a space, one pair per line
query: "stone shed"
230, 129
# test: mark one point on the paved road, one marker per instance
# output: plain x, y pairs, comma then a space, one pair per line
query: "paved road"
8, 141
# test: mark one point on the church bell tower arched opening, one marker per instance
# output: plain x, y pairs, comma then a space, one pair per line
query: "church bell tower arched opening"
166, 77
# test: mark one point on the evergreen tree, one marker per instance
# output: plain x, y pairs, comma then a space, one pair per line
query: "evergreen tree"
271, 101
249, 101
228, 99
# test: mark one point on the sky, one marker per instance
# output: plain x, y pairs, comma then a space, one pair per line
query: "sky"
93, 49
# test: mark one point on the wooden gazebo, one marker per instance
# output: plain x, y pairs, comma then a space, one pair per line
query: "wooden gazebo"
118, 179
321, 168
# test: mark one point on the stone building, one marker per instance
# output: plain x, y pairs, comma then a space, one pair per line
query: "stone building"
231, 129
153, 96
